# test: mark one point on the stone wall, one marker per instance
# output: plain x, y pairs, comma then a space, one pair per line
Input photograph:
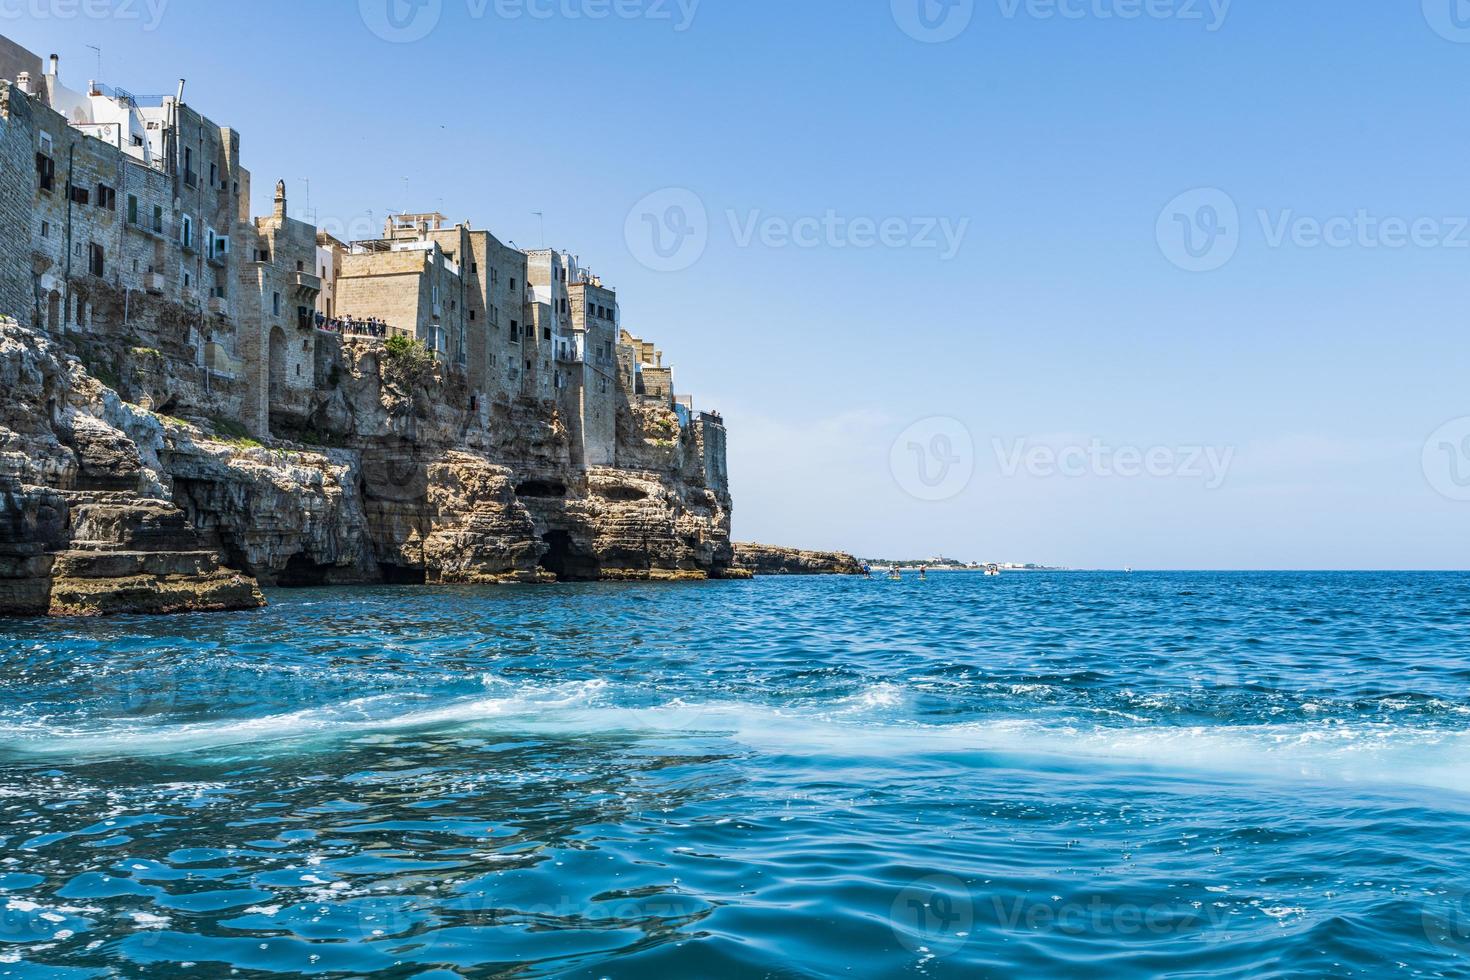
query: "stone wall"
17, 177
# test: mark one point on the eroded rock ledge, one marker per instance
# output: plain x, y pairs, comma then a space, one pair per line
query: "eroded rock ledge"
761, 559
106, 507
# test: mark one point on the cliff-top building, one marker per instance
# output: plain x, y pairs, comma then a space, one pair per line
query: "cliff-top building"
125, 229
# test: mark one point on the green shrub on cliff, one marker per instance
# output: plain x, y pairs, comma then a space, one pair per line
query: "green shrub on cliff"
407, 362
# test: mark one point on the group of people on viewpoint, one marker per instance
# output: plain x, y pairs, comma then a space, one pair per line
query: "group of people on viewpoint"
371, 327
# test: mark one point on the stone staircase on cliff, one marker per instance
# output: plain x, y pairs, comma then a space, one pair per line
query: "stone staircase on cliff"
140, 556
112, 553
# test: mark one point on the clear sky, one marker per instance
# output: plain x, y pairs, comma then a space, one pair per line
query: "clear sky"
1008, 270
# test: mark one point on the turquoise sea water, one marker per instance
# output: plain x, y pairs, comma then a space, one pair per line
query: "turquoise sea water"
1233, 775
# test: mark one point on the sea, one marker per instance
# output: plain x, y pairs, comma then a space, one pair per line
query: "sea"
1037, 775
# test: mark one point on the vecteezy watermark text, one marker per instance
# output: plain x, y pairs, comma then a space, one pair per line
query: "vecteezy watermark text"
669, 230
1211, 13
833, 230
1201, 230
937, 21
407, 21
150, 12
1208, 464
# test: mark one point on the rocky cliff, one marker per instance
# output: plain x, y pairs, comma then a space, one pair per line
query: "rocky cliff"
393, 475
761, 559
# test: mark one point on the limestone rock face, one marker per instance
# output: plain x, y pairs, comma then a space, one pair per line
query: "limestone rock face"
109, 507
760, 559
86, 527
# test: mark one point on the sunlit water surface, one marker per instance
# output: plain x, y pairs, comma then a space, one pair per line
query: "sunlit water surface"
1037, 775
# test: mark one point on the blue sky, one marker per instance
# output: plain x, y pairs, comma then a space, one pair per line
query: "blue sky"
1321, 376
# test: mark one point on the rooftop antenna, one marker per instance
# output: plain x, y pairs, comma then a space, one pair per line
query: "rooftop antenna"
306, 213
99, 60
542, 216
405, 193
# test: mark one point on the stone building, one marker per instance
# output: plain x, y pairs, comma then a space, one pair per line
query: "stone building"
408, 281
278, 289
128, 205
587, 370
125, 229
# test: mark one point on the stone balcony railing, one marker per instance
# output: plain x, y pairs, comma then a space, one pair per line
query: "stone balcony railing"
306, 282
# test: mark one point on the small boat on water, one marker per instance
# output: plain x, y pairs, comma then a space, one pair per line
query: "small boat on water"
992, 570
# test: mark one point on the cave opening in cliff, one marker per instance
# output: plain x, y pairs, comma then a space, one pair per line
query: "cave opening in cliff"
403, 575
302, 573
541, 488
624, 495
565, 561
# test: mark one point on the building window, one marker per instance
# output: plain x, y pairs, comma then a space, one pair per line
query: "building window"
186, 232
515, 331
546, 333
300, 266
276, 304
95, 259
213, 175
46, 171
80, 195
45, 229
190, 177
472, 316
158, 220
132, 209
512, 284
474, 267
106, 197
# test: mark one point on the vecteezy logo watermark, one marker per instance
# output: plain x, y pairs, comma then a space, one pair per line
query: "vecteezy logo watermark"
1208, 464
1199, 230
1450, 19
668, 230
933, 21
407, 21
933, 459
1447, 460
150, 12
401, 21
1446, 919
934, 915
397, 474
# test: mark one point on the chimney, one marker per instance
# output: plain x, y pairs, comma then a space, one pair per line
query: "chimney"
23, 82
181, 91
55, 65
280, 211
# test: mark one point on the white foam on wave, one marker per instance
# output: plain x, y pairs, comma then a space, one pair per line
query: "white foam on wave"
870, 724
381, 713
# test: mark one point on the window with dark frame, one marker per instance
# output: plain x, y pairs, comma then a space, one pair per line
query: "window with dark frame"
46, 171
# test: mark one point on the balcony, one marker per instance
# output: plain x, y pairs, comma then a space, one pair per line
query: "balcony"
219, 257
569, 354
438, 311
306, 284
219, 306
154, 283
